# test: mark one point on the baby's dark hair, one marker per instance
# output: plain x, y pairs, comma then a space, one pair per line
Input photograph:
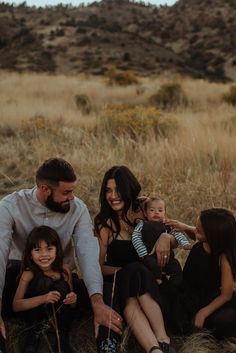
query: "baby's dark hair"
50, 236
148, 200
219, 226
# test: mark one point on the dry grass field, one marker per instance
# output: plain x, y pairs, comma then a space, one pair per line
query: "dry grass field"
183, 151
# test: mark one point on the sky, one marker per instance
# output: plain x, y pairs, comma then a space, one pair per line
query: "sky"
77, 2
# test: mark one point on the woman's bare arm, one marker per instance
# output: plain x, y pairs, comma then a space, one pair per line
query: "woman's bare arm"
104, 238
227, 287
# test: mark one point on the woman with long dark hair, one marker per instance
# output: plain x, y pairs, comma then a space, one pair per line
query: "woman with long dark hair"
129, 287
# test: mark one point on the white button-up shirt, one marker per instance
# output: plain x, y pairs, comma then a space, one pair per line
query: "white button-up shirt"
21, 211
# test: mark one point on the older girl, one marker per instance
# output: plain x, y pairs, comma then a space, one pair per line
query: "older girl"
210, 272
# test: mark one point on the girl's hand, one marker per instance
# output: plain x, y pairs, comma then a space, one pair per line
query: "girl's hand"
200, 318
176, 224
182, 227
51, 297
71, 298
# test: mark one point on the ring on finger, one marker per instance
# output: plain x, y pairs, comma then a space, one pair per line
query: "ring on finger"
165, 256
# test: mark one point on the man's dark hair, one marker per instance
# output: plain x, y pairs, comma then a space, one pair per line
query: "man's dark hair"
54, 170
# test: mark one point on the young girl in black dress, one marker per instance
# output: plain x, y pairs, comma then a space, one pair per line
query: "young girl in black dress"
210, 272
45, 290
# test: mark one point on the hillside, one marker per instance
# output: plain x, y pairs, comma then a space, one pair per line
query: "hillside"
193, 37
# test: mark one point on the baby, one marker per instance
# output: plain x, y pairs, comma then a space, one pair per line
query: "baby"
146, 234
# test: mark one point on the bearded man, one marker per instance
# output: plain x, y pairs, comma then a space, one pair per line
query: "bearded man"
52, 202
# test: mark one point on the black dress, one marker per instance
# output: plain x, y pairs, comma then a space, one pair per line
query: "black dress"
134, 279
44, 319
202, 282
41, 285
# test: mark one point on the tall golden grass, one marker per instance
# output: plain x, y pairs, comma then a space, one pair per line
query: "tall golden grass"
192, 168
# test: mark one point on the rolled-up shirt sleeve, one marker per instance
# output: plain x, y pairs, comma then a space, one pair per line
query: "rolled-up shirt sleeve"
87, 252
6, 229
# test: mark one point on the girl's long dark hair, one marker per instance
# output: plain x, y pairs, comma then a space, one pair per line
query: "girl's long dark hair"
128, 188
219, 226
50, 236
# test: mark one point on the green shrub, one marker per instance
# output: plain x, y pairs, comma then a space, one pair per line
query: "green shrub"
230, 97
169, 96
135, 122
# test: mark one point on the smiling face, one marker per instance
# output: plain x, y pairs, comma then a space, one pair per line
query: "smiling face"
155, 210
113, 197
60, 197
44, 255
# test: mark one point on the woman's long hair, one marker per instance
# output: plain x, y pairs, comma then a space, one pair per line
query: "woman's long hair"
128, 188
50, 236
219, 226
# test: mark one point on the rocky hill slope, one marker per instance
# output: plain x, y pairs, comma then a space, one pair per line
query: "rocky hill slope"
194, 37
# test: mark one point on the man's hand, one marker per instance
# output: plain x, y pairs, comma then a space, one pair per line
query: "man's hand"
2, 328
105, 316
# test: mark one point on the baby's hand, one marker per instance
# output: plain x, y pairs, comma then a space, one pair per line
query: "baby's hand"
70, 298
51, 297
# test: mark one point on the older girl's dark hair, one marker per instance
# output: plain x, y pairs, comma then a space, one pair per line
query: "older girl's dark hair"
128, 188
50, 236
219, 226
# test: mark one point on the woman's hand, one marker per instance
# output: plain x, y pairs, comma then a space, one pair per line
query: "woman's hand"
71, 298
51, 297
162, 249
200, 318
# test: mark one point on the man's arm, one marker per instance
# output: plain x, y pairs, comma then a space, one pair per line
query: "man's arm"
2, 326
6, 225
87, 250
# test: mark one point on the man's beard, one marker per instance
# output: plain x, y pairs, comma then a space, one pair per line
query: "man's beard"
56, 206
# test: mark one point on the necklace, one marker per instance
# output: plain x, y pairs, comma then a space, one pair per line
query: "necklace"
125, 228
